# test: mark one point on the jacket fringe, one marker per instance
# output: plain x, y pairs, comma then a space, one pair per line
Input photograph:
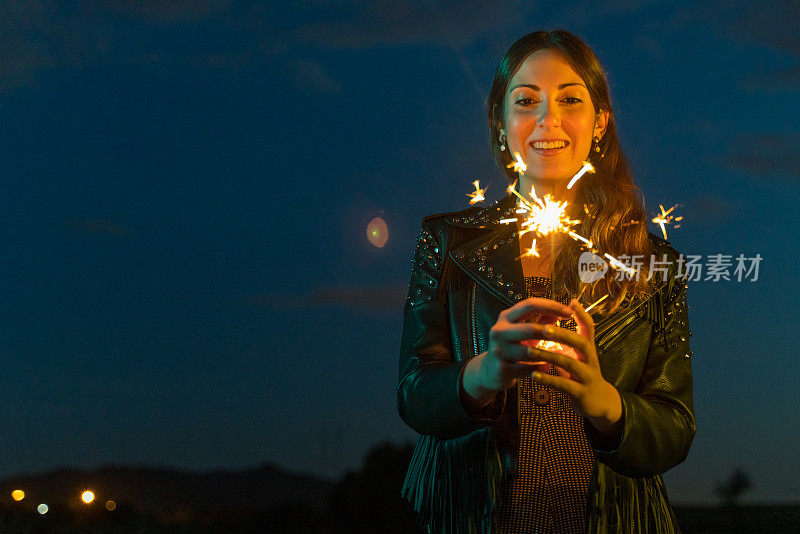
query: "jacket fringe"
616, 501
441, 468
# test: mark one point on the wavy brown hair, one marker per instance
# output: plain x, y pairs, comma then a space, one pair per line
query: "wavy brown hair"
607, 202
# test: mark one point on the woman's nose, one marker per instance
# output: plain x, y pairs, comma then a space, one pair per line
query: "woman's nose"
549, 116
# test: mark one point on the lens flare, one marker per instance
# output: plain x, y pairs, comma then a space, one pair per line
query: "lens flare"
377, 232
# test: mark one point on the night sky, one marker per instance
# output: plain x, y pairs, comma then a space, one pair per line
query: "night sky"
186, 279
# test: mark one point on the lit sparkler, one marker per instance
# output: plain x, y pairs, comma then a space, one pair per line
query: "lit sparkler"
546, 215
477, 195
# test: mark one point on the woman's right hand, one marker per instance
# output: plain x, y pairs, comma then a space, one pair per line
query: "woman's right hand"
507, 356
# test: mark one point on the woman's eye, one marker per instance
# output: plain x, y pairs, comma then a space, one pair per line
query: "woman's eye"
524, 101
573, 100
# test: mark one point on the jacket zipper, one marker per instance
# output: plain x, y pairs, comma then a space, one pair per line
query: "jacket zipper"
474, 325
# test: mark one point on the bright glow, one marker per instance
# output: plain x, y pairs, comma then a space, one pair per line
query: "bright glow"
17, 495
377, 232
519, 165
546, 344
532, 252
549, 216
477, 195
587, 167
42, 508
87, 496
111, 506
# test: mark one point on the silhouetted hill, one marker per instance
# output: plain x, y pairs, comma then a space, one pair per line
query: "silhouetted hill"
161, 490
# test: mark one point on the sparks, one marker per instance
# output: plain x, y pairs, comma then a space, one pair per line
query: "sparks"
477, 195
598, 301
587, 167
519, 165
619, 265
577, 237
532, 252
665, 218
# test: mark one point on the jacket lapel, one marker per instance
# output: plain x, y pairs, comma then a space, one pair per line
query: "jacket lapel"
491, 259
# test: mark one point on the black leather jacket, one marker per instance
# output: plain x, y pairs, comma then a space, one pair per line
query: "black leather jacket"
462, 456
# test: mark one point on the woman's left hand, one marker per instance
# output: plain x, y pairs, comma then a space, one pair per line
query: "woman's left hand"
579, 373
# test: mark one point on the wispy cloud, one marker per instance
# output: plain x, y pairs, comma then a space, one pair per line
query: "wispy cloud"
766, 155
311, 76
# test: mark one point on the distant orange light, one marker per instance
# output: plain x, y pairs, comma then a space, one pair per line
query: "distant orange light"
17, 495
111, 506
87, 496
377, 232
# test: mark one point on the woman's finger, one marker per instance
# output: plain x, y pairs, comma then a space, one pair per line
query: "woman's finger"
516, 332
535, 306
570, 387
514, 352
572, 366
582, 319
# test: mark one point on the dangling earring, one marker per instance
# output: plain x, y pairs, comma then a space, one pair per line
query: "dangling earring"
596, 140
502, 140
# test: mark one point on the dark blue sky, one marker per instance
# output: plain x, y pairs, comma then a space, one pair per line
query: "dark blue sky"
186, 279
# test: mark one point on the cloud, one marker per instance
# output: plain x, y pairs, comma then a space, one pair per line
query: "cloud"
311, 76
384, 299
774, 81
704, 208
362, 25
170, 11
766, 155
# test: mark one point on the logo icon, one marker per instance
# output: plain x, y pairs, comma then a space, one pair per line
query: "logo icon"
591, 267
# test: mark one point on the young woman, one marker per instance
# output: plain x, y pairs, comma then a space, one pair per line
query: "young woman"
515, 438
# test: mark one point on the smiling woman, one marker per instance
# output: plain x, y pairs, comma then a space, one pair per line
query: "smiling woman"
575, 438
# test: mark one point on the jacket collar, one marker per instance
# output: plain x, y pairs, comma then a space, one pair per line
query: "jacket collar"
491, 259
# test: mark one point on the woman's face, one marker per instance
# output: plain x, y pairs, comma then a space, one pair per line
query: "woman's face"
547, 101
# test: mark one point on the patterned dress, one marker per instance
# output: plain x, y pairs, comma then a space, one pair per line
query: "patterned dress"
550, 491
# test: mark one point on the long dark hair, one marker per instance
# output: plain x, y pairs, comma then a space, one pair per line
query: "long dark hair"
607, 202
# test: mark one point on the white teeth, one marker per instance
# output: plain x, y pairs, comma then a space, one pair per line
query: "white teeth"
551, 144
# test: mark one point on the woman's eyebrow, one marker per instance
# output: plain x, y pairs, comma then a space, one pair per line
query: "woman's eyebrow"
536, 87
